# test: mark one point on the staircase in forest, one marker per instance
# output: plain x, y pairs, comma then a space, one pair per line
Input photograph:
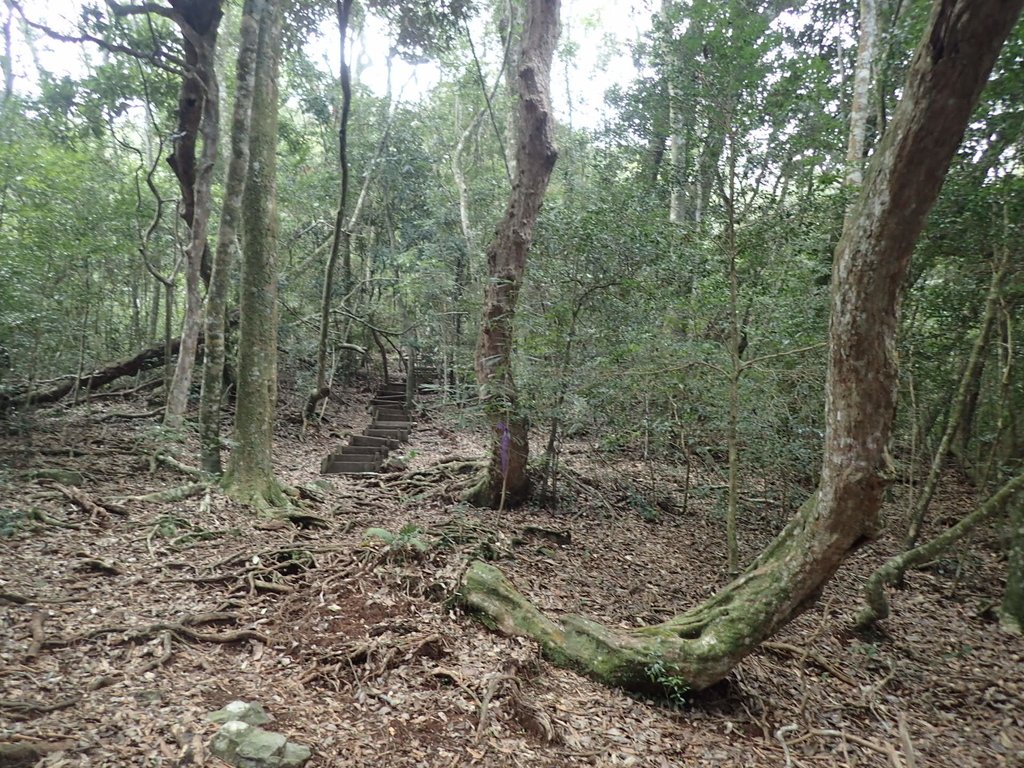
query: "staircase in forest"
390, 426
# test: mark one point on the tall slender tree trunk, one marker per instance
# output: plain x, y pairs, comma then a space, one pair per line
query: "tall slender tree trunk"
958, 407
227, 235
198, 115
1011, 610
250, 476
6, 58
506, 480
699, 647
341, 245
861, 104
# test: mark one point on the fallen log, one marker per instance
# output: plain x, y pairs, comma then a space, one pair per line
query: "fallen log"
142, 361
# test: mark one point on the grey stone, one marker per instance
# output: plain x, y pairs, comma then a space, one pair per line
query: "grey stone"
295, 755
248, 746
260, 746
251, 713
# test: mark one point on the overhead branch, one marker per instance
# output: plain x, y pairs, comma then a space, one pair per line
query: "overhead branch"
146, 8
158, 58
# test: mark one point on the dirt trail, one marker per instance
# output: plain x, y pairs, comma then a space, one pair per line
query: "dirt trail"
122, 622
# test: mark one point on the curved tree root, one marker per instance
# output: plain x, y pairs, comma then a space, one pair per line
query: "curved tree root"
667, 659
877, 602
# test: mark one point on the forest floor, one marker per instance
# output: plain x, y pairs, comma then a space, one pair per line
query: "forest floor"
122, 626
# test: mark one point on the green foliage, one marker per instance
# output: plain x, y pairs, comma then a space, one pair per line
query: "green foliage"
406, 543
675, 688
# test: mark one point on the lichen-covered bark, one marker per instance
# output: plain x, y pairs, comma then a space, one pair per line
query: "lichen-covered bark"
231, 211
699, 647
506, 481
250, 476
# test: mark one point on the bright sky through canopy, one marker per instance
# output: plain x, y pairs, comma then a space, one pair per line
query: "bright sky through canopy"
593, 54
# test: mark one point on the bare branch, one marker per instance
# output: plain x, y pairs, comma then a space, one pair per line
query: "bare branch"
157, 58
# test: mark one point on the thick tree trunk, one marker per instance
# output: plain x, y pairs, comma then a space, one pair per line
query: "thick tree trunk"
198, 112
506, 480
699, 647
231, 211
250, 476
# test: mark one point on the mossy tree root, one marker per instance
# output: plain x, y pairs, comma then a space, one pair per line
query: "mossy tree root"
689, 652
877, 602
665, 659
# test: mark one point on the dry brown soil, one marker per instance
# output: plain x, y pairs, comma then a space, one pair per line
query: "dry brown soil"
122, 625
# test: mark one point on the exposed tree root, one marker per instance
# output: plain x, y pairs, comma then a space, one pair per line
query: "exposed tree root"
43, 517
817, 658
87, 503
126, 416
268, 498
169, 461
180, 629
172, 494
877, 602
448, 479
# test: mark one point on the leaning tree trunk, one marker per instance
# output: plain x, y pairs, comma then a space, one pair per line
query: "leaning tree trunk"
231, 211
506, 481
958, 407
699, 647
250, 476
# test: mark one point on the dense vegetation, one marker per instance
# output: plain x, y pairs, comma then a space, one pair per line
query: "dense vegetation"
676, 298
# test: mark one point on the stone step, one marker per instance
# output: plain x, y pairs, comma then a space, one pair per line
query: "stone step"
392, 389
392, 434
381, 442
334, 467
393, 424
360, 452
391, 414
395, 405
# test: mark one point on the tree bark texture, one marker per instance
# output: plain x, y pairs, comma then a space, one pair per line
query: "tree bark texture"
227, 235
698, 648
860, 106
1011, 611
198, 113
250, 476
506, 480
